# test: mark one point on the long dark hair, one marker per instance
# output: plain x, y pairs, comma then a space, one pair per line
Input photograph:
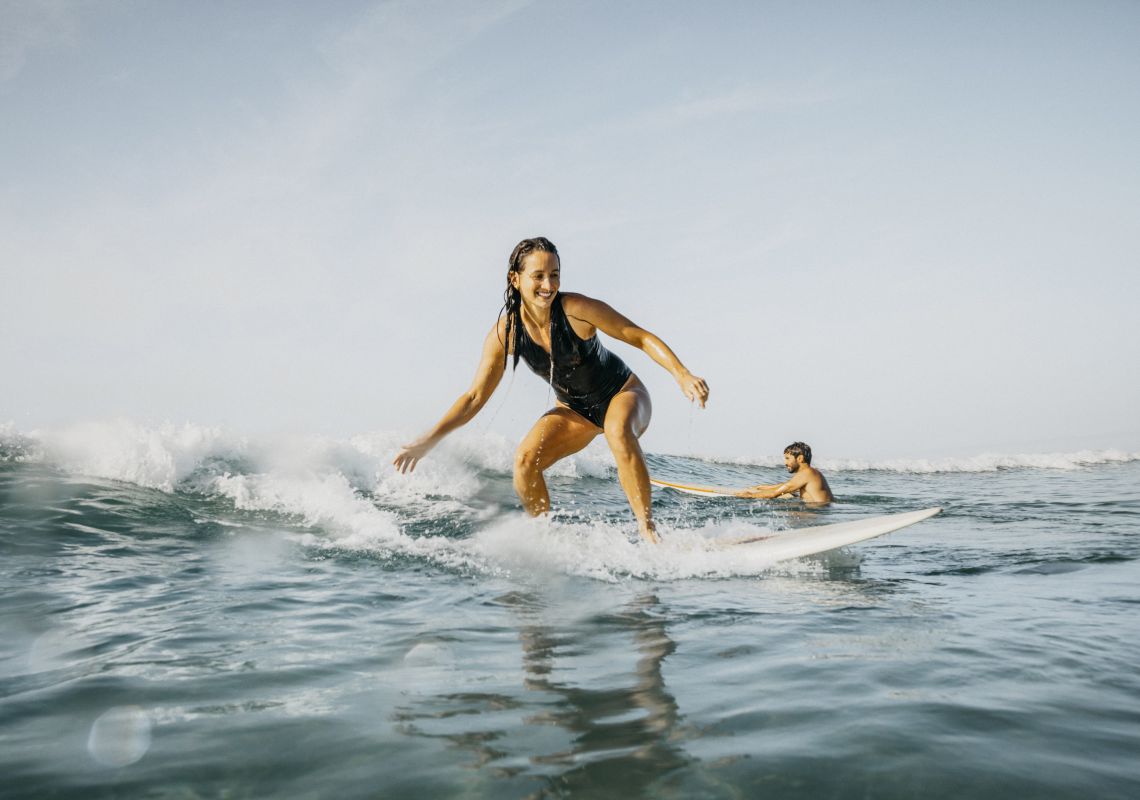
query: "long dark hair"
512, 299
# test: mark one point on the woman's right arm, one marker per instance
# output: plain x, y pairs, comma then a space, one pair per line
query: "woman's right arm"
487, 377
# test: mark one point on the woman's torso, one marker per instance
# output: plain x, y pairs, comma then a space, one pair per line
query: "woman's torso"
585, 374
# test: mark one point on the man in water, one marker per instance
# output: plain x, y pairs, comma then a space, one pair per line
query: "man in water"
807, 482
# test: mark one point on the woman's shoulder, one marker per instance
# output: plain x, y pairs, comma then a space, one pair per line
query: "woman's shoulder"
572, 301
583, 313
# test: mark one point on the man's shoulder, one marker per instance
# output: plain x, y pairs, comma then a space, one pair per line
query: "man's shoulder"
820, 484
814, 474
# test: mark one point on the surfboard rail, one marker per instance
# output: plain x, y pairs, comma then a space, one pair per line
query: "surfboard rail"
799, 542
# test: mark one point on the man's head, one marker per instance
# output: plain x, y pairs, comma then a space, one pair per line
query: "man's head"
796, 455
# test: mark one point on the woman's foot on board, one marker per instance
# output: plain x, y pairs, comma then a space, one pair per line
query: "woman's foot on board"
648, 532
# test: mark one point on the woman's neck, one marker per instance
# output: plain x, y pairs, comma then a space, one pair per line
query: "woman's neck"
539, 317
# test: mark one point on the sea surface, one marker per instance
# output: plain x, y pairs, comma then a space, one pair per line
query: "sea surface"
189, 613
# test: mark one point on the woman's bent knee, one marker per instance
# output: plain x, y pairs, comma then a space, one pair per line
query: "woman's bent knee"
526, 460
622, 441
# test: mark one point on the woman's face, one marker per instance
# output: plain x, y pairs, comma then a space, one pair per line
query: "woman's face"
538, 279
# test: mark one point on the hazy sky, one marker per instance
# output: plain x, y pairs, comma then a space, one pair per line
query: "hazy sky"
889, 229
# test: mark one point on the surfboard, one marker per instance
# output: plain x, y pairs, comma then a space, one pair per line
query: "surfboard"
704, 491
783, 545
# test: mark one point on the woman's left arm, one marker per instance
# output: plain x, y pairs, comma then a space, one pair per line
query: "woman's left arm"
614, 324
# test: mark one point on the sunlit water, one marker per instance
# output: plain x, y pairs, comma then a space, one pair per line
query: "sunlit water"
190, 614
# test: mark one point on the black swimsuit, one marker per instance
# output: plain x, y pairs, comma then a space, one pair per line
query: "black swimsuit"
586, 375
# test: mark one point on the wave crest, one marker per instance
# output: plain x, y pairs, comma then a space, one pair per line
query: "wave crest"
986, 462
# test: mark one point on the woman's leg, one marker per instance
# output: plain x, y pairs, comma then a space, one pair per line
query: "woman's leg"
558, 433
626, 419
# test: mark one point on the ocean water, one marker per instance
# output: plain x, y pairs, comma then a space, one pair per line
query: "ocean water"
190, 613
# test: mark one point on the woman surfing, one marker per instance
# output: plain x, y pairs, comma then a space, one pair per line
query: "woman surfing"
556, 334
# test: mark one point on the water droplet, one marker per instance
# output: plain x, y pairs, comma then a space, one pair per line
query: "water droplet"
120, 736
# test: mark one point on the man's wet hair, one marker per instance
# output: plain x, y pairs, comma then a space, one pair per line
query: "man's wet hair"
799, 449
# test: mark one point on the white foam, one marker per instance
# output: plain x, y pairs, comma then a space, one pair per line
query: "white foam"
327, 501
157, 458
539, 547
350, 496
986, 462
326, 484
446, 472
16, 447
164, 456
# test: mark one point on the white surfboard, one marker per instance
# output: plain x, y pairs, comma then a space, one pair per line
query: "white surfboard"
797, 543
704, 491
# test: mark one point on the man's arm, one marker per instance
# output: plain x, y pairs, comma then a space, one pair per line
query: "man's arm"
769, 491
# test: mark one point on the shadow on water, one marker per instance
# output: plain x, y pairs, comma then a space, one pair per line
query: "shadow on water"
596, 730
623, 736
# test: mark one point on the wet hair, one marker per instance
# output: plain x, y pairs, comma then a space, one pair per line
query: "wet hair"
799, 449
512, 299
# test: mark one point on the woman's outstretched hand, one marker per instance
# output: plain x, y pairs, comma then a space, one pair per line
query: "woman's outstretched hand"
694, 388
410, 454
